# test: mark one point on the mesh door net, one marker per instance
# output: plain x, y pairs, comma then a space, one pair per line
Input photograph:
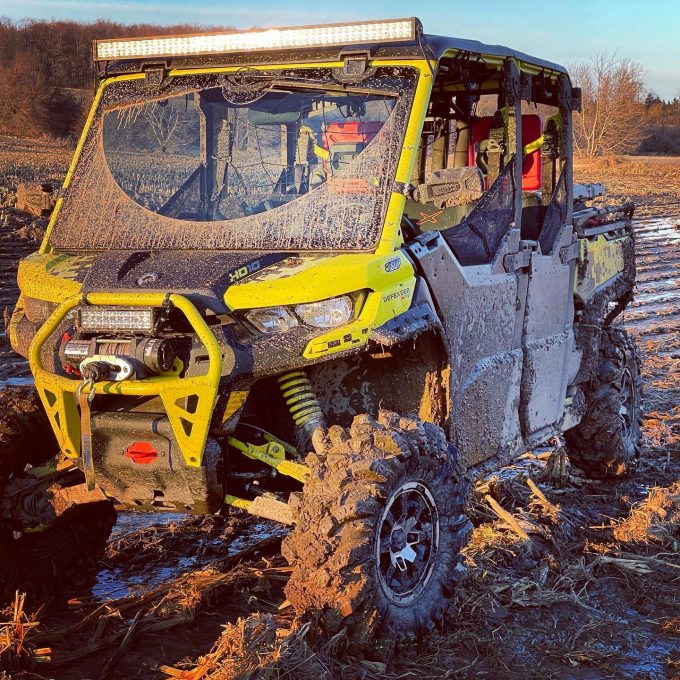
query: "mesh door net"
476, 239
555, 215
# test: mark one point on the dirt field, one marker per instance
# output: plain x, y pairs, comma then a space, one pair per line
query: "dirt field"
20, 233
593, 593
651, 182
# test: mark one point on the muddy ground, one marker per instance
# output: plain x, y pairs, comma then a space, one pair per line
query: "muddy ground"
593, 593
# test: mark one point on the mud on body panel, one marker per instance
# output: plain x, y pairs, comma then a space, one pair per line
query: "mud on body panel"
602, 289
550, 357
478, 307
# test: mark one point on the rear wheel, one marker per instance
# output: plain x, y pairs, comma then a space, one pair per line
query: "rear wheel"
379, 529
606, 443
47, 561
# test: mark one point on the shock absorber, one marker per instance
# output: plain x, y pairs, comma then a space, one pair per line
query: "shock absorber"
303, 406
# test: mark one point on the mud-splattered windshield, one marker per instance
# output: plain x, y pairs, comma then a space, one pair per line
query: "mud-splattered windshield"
286, 161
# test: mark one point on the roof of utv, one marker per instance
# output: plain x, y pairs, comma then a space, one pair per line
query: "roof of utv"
441, 44
301, 44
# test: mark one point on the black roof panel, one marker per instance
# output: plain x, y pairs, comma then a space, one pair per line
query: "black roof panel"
441, 44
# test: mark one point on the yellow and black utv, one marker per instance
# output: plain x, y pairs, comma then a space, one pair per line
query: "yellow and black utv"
298, 272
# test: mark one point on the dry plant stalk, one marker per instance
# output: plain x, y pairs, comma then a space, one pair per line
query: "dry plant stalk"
507, 518
655, 520
252, 645
15, 645
552, 511
632, 566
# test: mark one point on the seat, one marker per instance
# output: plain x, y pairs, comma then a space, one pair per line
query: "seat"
532, 128
345, 141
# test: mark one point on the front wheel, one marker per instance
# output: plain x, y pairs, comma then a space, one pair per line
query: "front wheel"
48, 560
380, 525
606, 443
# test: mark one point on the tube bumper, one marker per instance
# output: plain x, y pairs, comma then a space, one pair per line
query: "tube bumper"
189, 428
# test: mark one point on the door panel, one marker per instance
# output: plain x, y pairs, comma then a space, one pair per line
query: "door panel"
480, 312
548, 338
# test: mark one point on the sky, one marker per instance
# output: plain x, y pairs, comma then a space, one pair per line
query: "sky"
564, 31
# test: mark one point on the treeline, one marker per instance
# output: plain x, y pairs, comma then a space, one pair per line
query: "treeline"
46, 72
47, 84
663, 125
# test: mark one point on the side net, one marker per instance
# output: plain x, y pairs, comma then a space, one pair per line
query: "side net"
477, 238
555, 215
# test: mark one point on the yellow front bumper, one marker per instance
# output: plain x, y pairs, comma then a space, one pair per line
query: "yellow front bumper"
189, 427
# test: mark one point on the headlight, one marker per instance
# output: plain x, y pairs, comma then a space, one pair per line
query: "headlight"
95, 319
327, 313
272, 319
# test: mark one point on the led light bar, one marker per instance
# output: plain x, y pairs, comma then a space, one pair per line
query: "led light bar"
329, 35
95, 319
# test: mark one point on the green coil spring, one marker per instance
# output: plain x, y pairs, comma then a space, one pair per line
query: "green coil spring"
300, 398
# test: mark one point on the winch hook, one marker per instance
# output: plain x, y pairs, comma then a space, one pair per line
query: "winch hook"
94, 372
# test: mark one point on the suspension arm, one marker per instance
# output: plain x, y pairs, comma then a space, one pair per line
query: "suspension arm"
273, 454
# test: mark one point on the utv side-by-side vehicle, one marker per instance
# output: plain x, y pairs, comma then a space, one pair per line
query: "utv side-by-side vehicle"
323, 275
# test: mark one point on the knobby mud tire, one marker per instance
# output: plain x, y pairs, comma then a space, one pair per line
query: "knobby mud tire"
332, 547
61, 560
605, 444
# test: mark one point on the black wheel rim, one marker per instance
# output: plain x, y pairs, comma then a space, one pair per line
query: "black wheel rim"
407, 542
628, 407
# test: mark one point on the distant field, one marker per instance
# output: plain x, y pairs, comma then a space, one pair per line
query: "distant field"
26, 160
652, 182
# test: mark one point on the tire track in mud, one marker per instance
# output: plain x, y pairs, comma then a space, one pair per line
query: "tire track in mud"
658, 280
654, 319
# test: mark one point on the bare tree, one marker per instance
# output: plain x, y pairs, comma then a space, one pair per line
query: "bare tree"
170, 126
612, 119
23, 97
162, 122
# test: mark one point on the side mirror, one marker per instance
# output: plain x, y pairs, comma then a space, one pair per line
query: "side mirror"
451, 187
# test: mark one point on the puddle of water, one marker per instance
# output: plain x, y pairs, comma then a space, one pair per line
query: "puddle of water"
651, 661
114, 583
257, 532
657, 297
16, 382
133, 521
659, 229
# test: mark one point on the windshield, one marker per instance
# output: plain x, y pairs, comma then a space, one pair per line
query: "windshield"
261, 161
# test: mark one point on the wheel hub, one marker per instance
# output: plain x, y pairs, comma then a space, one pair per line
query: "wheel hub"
407, 542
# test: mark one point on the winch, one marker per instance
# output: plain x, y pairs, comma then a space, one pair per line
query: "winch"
118, 359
